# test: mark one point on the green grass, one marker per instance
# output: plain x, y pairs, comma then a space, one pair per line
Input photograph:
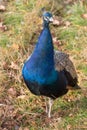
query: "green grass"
25, 5
68, 33
13, 19
78, 9
4, 40
79, 116
83, 68
19, 106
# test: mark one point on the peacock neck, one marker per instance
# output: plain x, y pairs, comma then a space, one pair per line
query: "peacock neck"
44, 50
44, 47
45, 24
41, 63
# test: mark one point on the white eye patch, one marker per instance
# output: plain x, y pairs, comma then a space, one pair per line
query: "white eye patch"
46, 19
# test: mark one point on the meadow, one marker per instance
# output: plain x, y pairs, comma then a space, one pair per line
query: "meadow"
22, 23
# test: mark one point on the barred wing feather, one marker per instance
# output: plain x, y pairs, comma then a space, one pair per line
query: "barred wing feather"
63, 62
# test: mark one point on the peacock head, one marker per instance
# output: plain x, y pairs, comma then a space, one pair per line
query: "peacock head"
47, 17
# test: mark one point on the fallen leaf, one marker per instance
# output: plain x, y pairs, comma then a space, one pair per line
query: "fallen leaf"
26, 128
69, 127
5, 129
70, 115
2, 8
21, 96
12, 91
14, 66
1, 112
54, 39
56, 42
20, 128
67, 1
3, 27
67, 23
15, 46
84, 16
56, 22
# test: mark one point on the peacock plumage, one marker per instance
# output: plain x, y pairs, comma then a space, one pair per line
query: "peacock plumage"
48, 72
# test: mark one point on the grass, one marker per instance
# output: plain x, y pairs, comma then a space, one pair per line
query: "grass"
78, 9
4, 40
19, 109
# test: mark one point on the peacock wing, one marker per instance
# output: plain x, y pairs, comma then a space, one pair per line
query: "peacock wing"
63, 62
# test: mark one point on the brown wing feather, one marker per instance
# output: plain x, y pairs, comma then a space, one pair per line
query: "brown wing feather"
62, 61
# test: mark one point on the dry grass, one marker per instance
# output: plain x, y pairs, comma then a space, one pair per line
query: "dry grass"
19, 109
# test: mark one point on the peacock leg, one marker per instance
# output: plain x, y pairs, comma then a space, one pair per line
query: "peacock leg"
46, 103
50, 107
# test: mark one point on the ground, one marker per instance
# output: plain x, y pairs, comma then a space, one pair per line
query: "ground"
20, 26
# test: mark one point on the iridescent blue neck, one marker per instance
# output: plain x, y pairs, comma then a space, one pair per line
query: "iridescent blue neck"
45, 24
44, 47
41, 63
44, 50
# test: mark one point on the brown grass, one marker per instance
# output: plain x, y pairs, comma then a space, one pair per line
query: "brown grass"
19, 109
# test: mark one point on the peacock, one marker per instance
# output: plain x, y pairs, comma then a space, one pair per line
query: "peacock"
48, 72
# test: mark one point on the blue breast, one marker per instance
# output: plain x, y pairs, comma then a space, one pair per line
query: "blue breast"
40, 67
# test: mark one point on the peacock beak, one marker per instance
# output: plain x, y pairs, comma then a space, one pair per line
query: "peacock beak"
51, 19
